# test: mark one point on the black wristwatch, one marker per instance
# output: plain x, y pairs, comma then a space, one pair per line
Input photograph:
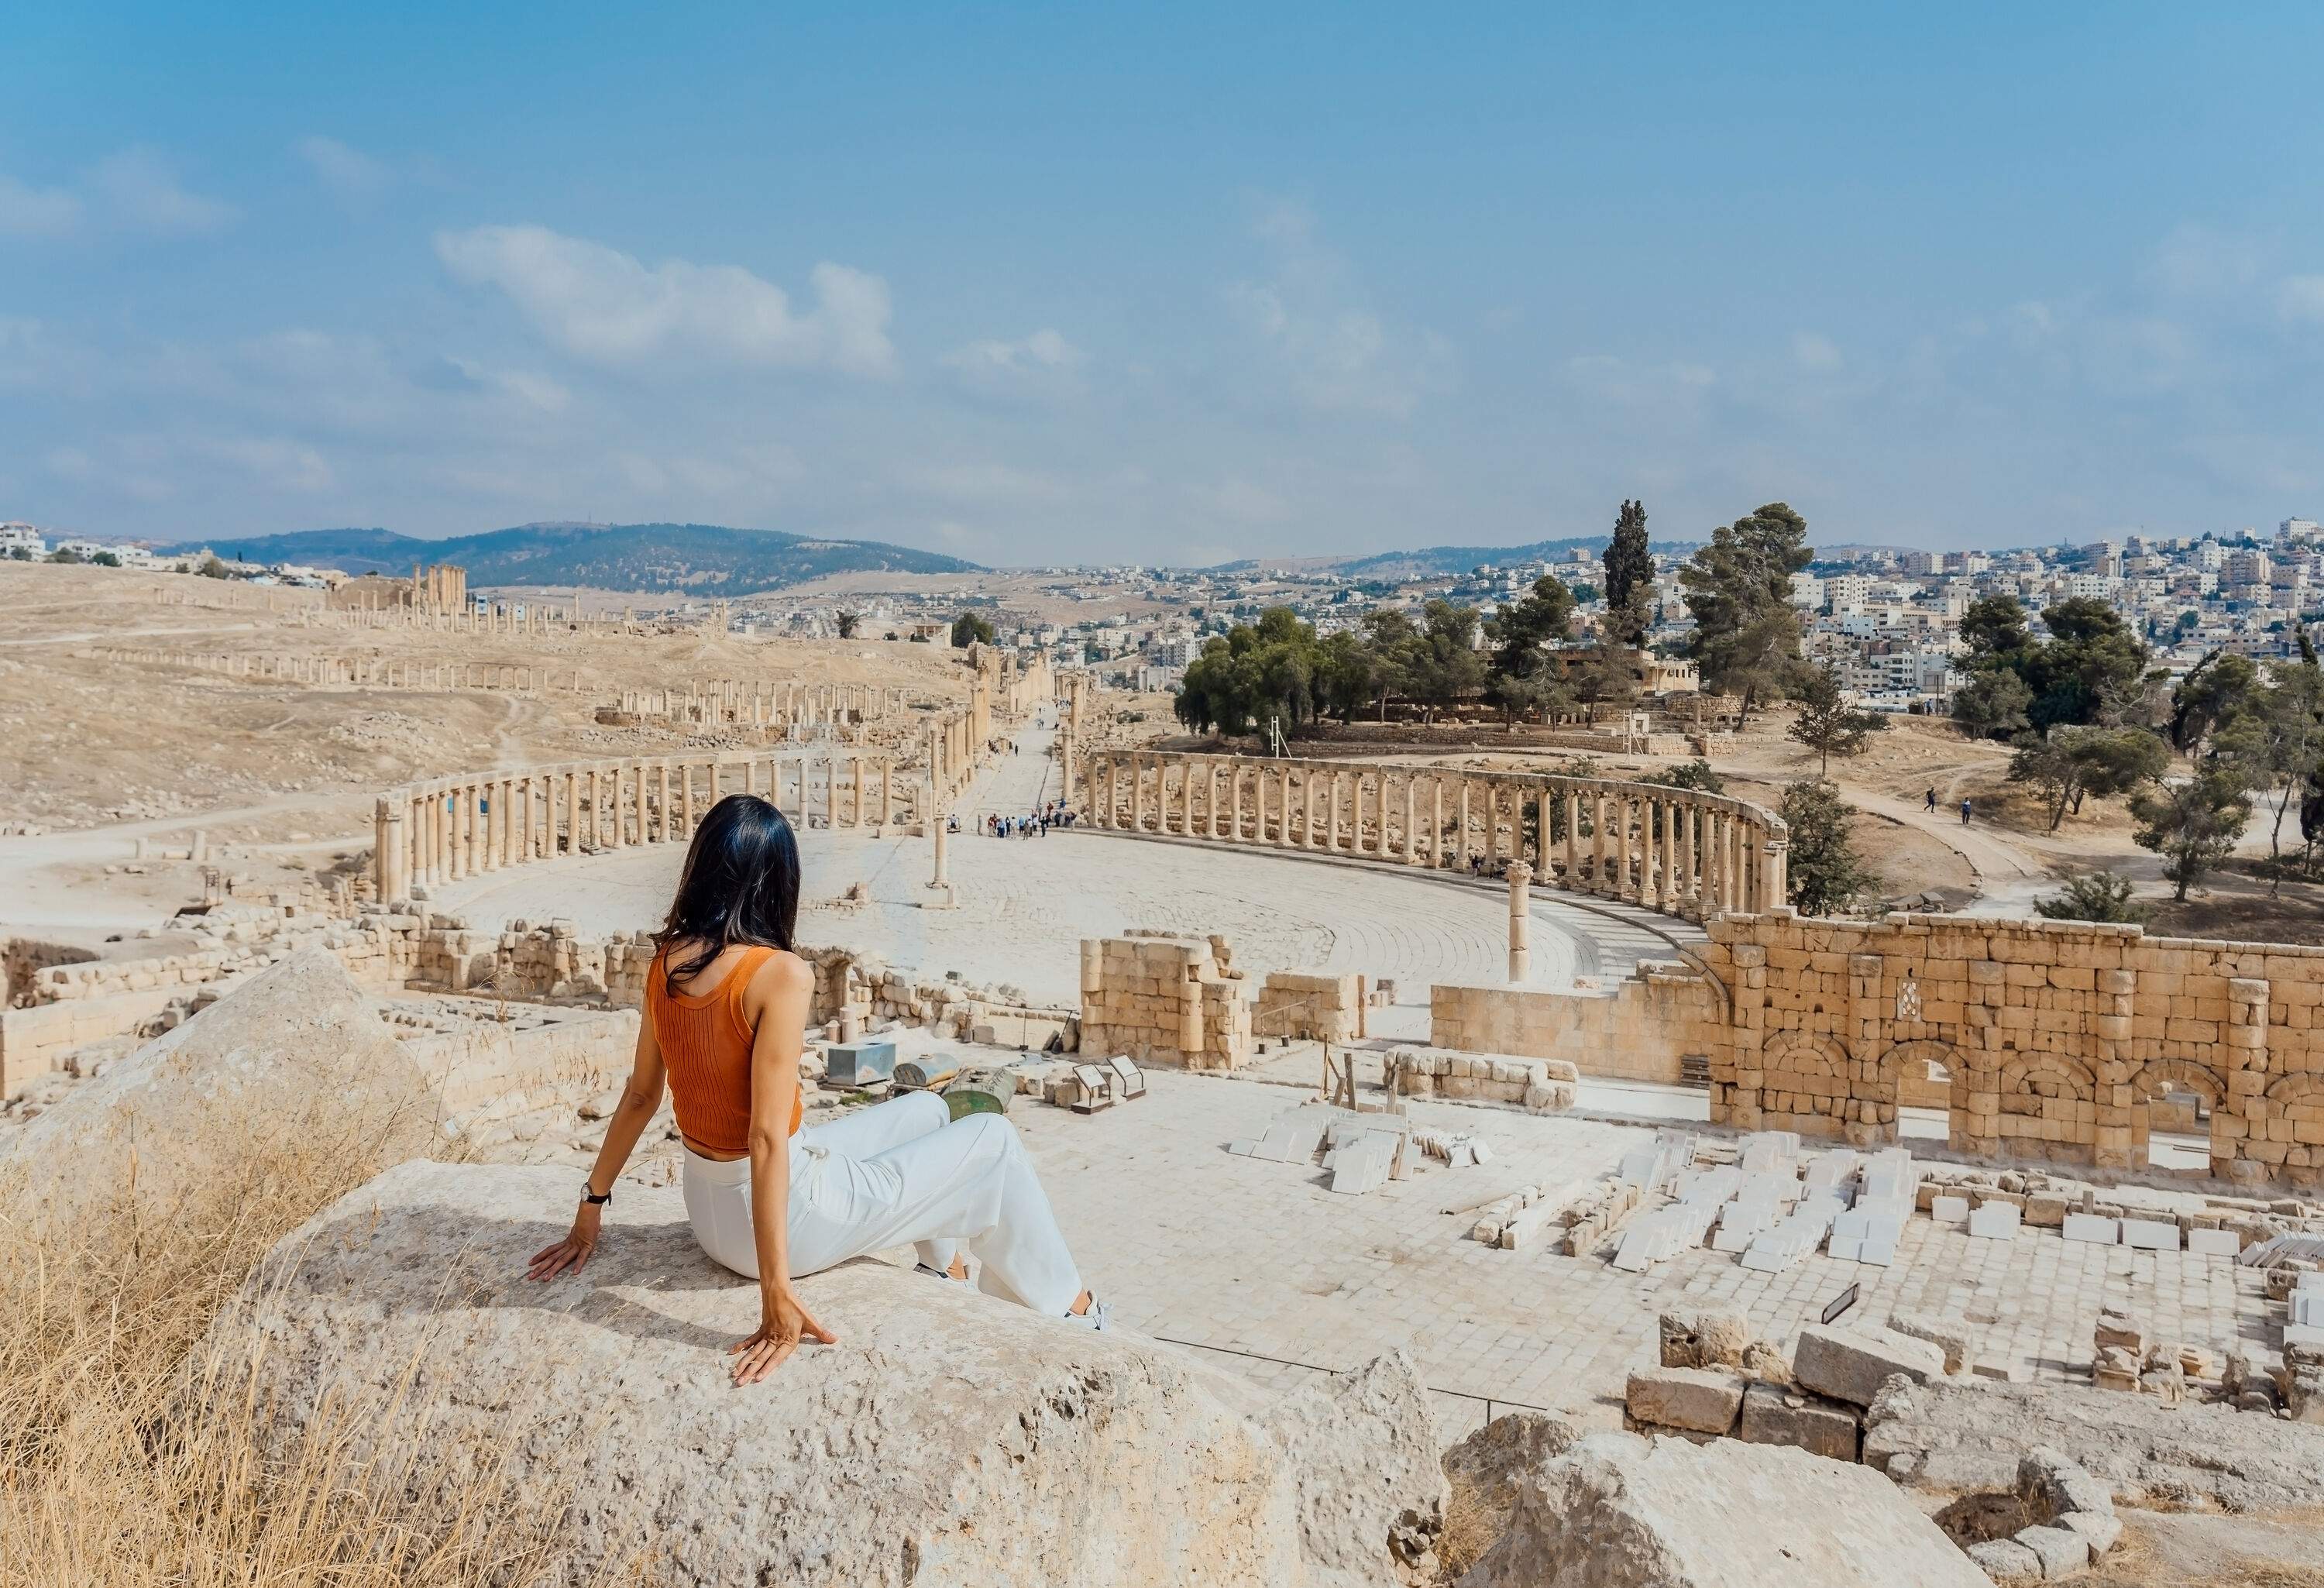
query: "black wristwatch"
592, 1198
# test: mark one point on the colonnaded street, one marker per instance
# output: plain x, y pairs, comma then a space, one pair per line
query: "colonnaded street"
1026, 903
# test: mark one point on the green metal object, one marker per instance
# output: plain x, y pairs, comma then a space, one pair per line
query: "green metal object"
982, 1091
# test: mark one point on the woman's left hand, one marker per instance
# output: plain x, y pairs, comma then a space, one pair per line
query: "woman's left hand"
784, 1323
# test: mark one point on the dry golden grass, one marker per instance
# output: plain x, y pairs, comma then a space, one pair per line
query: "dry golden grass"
1471, 1526
128, 1455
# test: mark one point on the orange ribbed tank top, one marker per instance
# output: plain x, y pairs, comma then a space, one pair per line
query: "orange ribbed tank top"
706, 1046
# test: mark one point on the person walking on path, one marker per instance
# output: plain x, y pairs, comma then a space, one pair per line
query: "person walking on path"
1964, 813
1932, 801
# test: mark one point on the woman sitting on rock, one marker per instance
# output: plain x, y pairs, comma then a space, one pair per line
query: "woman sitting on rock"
726, 1004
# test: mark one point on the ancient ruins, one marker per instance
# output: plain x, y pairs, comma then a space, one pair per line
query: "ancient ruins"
1445, 1134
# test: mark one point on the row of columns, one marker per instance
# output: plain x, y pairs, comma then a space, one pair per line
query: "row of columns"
1673, 850
441, 831
804, 704
372, 671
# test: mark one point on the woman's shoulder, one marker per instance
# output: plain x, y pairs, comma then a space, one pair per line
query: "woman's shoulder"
778, 970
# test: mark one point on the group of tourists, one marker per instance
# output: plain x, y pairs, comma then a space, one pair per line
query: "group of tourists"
1035, 824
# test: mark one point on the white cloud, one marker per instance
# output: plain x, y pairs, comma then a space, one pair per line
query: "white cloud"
1313, 313
139, 186
1042, 367
2200, 262
1814, 351
2301, 298
26, 211
605, 306
347, 174
1045, 350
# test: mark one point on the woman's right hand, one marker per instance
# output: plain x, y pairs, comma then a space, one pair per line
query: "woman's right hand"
568, 1255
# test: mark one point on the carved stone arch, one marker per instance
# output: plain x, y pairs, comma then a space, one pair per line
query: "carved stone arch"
1929, 1049
1808, 1064
2048, 1106
2305, 1087
1900, 1079
2024, 1071
2158, 1074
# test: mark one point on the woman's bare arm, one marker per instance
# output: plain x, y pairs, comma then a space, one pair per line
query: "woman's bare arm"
776, 1002
639, 1099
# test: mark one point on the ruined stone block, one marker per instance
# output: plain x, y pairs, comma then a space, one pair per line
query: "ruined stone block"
1774, 1414
1705, 1336
1850, 1366
1705, 1400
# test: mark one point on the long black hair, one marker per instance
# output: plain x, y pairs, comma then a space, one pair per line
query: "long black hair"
741, 884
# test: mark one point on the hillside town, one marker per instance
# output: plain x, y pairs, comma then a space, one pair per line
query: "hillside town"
1889, 620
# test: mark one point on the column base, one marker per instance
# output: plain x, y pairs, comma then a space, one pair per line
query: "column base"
940, 897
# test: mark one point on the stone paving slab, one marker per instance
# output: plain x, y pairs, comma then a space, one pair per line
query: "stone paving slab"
1192, 1244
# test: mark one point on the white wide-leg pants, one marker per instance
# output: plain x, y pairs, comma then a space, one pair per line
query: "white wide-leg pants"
901, 1171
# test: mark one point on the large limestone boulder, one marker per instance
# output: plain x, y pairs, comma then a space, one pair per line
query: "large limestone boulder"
1617, 1510
294, 1062
948, 1437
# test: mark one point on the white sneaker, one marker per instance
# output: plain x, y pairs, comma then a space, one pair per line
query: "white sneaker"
1095, 1319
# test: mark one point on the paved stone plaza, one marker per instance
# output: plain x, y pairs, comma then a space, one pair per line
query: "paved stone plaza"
1026, 903
1194, 1244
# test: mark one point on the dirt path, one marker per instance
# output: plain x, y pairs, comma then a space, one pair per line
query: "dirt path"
56, 883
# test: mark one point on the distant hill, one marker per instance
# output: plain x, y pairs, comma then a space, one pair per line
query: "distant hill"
1433, 560
698, 560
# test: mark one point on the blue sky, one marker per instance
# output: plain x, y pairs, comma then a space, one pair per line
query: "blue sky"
1037, 284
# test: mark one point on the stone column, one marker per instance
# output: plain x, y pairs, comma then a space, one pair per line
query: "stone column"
1774, 877
509, 855
1331, 811
662, 822
613, 781
855, 771
1234, 800
831, 791
1624, 807
1137, 793
1520, 922
455, 834
939, 889
1411, 812
392, 885
887, 791
1436, 822
1649, 882
1464, 852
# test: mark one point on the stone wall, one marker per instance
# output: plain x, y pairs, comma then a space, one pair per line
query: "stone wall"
1164, 999
1637, 1032
1673, 850
2056, 1038
1295, 1005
